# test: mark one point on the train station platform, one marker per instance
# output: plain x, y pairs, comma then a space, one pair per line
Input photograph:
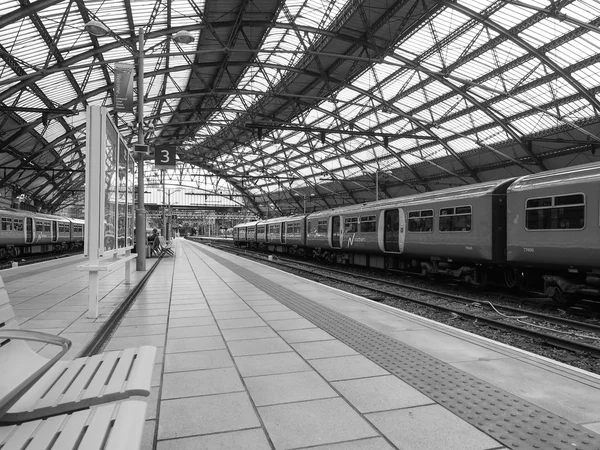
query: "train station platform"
250, 357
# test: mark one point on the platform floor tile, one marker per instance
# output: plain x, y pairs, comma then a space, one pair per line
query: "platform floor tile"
380, 394
316, 422
207, 414
347, 367
323, 349
238, 440
258, 346
434, 425
210, 359
238, 334
287, 388
201, 382
188, 332
360, 444
195, 344
270, 364
305, 335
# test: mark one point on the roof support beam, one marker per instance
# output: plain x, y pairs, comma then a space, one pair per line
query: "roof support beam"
523, 44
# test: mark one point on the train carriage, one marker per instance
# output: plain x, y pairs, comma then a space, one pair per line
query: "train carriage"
270, 233
13, 231
25, 232
553, 228
294, 229
245, 233
436, 231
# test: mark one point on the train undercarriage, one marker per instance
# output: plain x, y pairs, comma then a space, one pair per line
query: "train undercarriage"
563, 288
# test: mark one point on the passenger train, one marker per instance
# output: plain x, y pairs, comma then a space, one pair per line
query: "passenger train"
24, 233
540, 228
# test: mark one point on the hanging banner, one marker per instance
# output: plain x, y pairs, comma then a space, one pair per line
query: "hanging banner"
124, 87
164, 156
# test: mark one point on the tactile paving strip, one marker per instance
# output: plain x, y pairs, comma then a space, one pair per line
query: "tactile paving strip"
505, 417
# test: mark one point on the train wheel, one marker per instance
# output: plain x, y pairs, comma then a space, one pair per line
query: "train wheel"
481, 277
513, 278
561, 298
3, 253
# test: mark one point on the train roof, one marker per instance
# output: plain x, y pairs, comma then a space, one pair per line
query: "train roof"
564, 176
456, 193
283, 219
247, 224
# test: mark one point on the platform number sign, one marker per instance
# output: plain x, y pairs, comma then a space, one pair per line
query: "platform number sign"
164, 157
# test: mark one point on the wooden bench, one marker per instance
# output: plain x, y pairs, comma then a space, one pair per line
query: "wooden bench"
115, 426
34, 387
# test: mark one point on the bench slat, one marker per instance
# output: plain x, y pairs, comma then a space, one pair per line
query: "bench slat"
128, 428
97, 427
118, 379
46, 433
53, 395
71, 430
140, 377
119, 425
76, 389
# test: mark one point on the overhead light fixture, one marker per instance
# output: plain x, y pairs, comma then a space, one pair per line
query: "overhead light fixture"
183, 37
96, 28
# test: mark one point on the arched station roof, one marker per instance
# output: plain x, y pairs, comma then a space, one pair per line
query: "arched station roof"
305, 104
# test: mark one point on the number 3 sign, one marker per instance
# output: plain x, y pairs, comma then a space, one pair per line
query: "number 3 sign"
164, 157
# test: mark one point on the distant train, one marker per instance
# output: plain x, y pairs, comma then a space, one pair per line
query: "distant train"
541, 228
25, 233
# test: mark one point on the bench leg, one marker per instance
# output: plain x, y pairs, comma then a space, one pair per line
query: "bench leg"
128, 272
93, 295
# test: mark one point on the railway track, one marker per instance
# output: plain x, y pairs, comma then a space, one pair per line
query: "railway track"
25, 260
559, 332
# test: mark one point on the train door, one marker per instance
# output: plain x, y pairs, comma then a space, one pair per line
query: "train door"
283, 231
54, 231
29, 230
393, 230
267, 233
336, 232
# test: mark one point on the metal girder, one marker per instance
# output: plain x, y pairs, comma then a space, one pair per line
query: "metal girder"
525, 45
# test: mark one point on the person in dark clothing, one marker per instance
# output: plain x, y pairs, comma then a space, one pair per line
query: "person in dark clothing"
154, 243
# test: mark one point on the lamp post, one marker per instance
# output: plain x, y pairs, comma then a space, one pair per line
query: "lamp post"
164, 221
140, 212
376, 182
97, 28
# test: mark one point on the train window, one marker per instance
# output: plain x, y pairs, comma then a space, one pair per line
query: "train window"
18, 224
351, 225
420, 221
565, 200
322, 226
261, 229
555, 213
7, 224
293, 227
539, 202
368, 224
455, 219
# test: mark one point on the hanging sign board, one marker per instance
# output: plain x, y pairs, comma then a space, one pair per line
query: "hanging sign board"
124, 87
164, 157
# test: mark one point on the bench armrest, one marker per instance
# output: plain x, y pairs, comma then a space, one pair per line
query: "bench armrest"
37, 336
25, 335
